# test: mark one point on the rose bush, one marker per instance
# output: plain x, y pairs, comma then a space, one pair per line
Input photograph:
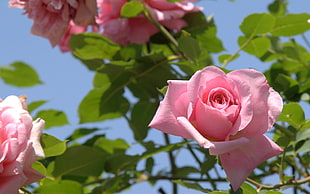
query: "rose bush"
227, 113
52, 17
20, 146
139, 29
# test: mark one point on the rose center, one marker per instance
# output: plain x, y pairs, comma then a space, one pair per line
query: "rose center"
219, 98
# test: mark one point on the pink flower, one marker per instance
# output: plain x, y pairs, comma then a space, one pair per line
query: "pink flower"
51, 17
19, 146
227, 113
139, 29
72, 29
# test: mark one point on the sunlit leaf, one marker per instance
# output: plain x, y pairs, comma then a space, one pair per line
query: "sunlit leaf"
52, 146
88, 46
19, 74
258, 23
53, 118
257, 46
293, 114
36, 104
61, 187
291, 24
131, 9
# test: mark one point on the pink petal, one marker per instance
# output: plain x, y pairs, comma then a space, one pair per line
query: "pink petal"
193, 133
11, 184
38, 126
175, 104
267, 104
211, 122
85, 13
202, 78
239, 163
174, 24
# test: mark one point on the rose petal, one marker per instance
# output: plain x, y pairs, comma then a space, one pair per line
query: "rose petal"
267, 104
212, 122
194, 134
10, 183
38, 126
201, 78
239, 163
174, 105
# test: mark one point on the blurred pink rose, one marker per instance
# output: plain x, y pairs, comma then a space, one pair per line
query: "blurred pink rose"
227, 113
20, 146
72, 29
139, 29
51, 17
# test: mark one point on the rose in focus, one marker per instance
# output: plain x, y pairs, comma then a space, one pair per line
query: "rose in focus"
139, 29
52, 17
227, 113
20, 145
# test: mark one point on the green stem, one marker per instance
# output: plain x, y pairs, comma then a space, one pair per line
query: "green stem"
200, 163
172, 164
237, 52
161, 28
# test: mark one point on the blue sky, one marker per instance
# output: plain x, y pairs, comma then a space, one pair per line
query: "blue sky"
66, 81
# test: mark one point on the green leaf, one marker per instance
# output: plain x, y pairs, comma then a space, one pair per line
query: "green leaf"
191, 185
121, 162
190, 47
258, 23
293, 114
185, 171
248, 189
90, 107
156, 150
291, 24
303, 135
61, 187
53, 118
224, 57
52, 146
82, 132
258, 46
88, 46
132, 9
278, 7
111, 146
302, 146
36, 104
19, 74
80, 161
139, 120
289, 86
38, 166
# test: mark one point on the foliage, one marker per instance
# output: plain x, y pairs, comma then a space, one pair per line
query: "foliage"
88, 162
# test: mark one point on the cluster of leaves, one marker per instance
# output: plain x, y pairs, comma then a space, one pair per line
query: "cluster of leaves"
88, 162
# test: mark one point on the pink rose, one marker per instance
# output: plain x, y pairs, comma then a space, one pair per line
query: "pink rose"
72, 29
227, 113
139, 29
51, 17
20, 146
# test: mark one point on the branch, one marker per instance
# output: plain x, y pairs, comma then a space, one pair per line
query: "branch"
277, 186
